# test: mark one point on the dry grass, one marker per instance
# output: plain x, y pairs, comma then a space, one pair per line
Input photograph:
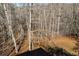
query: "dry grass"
23, 46
67, 43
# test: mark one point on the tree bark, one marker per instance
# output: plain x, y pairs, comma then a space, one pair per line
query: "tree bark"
9, 23
59, 16
29, 31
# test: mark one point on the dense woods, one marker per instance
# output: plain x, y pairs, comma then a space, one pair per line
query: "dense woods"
35, 21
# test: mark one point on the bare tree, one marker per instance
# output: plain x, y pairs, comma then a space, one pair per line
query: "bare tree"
45, 25
59, 17
9, 22
29, 30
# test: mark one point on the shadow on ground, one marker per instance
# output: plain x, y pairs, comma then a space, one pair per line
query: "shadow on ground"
42, 52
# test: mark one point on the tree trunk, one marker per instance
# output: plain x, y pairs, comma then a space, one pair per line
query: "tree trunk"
59, 16
45, 25
29, 31
9, 23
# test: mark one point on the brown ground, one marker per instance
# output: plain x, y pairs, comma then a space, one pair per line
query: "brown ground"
67, 43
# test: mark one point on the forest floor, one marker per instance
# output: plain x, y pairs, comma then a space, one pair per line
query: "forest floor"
65, 42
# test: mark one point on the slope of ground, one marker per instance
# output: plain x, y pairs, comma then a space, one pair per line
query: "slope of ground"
67, 43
